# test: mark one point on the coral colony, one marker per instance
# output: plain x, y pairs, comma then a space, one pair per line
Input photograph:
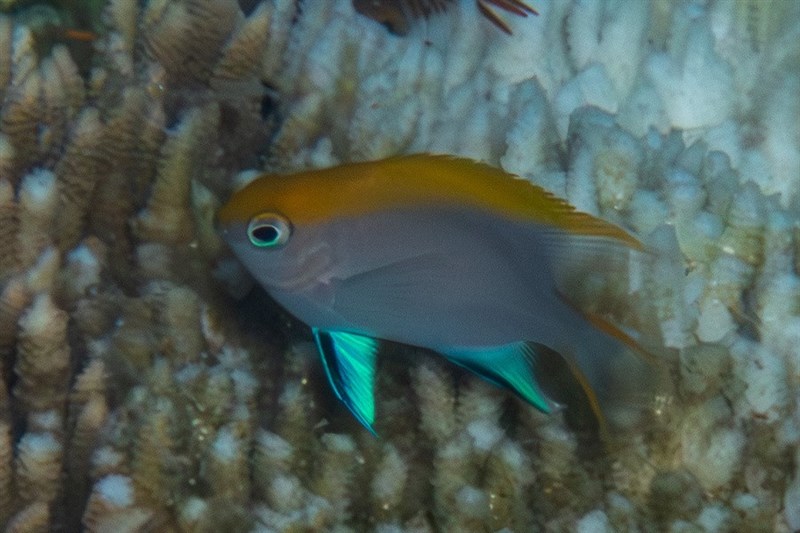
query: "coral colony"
146, 387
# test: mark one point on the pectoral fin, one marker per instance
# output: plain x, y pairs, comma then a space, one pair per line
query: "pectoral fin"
511, 366
349, 362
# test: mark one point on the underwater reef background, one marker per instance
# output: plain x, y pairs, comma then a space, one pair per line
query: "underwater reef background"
145, 387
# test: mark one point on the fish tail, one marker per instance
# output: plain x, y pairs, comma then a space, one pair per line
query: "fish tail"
623, 383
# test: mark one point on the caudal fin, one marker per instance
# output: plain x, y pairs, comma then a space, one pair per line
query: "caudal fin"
625, 385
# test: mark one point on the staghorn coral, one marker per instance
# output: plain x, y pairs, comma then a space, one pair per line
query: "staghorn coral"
42, 358
136, 395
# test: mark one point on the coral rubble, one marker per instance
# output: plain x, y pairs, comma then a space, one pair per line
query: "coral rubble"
138, 395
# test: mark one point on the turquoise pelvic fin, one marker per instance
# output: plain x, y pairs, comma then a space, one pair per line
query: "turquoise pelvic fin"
511, 366
349, 362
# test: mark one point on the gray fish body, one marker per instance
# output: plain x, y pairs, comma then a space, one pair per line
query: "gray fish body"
435, 278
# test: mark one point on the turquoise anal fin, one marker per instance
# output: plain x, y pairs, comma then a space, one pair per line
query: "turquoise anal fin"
510, 365
349, 362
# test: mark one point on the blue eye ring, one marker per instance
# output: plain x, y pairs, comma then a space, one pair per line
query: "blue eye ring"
268, 230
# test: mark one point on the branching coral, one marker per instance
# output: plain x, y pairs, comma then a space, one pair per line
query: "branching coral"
136, 395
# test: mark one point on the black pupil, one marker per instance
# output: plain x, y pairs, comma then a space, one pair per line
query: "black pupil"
266, 233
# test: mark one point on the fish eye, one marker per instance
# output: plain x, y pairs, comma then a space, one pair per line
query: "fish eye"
268, 230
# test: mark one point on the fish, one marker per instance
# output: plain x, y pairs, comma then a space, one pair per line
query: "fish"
397, 15
437, 252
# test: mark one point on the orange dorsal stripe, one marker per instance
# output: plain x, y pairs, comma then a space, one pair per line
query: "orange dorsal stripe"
355, 189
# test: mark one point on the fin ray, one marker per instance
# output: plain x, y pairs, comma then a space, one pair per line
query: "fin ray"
511, 365
600, 323
349, 362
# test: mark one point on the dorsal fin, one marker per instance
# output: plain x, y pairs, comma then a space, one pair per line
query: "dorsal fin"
479, 184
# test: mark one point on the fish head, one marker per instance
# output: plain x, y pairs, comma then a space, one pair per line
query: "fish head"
280, 249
